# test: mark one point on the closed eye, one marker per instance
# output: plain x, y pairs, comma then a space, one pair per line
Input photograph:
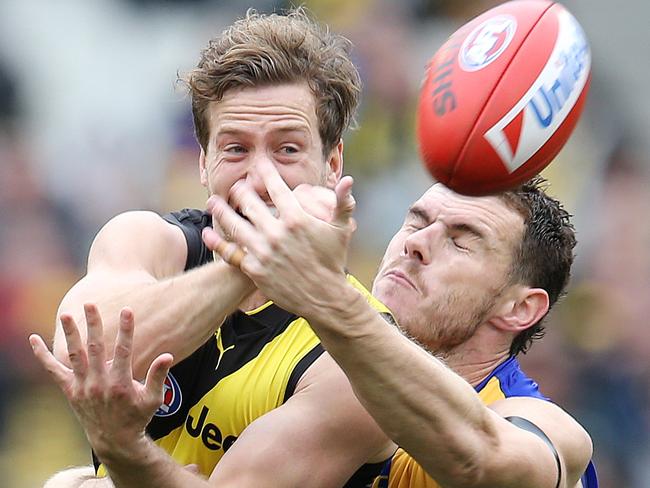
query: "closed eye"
457, 242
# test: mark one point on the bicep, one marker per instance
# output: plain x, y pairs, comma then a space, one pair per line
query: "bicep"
318, 438
131, 250
138, 242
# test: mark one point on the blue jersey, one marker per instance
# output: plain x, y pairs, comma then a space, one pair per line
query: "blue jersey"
507, 380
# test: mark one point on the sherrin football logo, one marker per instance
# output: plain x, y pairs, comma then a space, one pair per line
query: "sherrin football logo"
486, 42
537, 115
172, 397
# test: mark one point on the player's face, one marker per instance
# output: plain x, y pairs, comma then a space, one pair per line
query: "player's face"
446, 267
276, 123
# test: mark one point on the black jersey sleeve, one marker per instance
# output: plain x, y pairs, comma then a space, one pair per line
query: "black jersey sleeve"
192, 222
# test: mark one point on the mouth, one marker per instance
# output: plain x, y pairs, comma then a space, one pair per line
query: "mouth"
400, 277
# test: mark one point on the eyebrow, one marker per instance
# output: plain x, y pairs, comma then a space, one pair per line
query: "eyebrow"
421, 214
469, 229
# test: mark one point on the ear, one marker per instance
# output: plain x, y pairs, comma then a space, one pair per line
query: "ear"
203, 171
521, 309
334, 166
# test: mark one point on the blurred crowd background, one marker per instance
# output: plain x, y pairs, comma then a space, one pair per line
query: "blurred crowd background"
93, 122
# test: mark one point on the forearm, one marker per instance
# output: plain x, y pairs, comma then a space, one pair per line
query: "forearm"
176, 314
145, 465
420, 403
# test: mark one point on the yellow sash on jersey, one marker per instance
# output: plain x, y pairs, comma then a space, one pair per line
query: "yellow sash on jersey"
405, 472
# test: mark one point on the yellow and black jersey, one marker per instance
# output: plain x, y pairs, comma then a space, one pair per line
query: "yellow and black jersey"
507, 380
249, 367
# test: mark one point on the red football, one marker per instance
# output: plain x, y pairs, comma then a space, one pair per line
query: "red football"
502, 96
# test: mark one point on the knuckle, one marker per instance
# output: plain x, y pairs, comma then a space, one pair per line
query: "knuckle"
118, 390
122, 351
265, 255
274, 239
95, 348
94, 390
293, 223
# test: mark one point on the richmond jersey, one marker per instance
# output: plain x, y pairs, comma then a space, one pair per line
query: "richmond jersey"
507, 380
250, 366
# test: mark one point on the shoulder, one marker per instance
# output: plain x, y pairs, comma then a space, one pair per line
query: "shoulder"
569, 438
139, 239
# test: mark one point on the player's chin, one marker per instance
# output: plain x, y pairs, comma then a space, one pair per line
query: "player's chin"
397, 299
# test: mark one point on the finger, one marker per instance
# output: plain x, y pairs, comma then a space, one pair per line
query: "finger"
230, 252
121, 368
316, 201
60, 373
243, 197
155, 378
211, 238
280, 193
76, 350
345, 203
95, 340
234, 227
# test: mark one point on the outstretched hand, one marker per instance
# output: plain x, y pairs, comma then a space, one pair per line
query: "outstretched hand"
112, 407
295, 254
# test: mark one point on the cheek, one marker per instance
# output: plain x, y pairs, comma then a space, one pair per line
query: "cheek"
221, 177
297, 174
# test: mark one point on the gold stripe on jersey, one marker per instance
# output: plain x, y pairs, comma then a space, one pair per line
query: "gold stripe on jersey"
405, 472
238, 399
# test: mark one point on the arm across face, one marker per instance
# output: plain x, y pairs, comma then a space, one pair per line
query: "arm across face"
433, 413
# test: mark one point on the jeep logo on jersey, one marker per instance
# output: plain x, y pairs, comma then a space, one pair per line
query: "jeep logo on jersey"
210, 434
538, 114
172, 397
486, 42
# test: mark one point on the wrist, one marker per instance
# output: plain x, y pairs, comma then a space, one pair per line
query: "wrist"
344, 312
127, 451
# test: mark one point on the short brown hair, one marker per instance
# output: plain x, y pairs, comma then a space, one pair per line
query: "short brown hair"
544, 256
268, 49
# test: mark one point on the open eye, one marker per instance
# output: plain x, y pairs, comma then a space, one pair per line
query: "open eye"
289, 149
235, 149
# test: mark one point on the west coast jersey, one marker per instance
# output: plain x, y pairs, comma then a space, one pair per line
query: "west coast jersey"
249, 367
507, 380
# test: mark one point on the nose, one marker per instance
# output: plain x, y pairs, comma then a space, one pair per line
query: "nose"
253, 177
420, 244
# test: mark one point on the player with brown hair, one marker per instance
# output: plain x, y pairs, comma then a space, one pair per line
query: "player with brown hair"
251, 398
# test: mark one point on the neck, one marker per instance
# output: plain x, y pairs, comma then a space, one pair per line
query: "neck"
253, 301
473, 360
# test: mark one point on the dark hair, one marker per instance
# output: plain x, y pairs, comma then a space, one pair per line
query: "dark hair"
268, 49
544, 256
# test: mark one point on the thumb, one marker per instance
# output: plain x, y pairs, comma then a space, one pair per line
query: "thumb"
156, 376
345, 203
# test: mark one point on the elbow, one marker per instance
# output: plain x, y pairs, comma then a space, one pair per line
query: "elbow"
467, 464
468, 472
